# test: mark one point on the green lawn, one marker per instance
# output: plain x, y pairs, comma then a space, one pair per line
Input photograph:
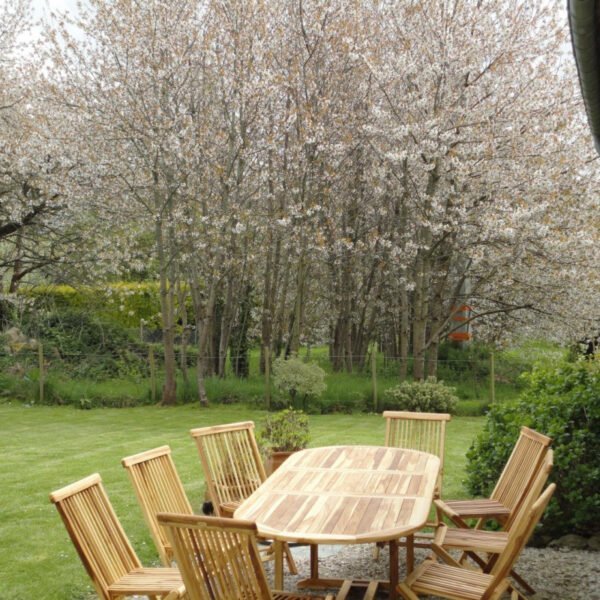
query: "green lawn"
44, 448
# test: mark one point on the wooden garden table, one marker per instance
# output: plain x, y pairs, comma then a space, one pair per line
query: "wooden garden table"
345, 495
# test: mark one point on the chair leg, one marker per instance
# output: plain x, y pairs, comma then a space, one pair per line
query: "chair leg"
268, 553
407, 593
344, 590
377, 550
528, 589
289, 559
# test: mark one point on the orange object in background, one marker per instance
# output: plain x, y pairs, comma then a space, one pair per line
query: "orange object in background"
461, 315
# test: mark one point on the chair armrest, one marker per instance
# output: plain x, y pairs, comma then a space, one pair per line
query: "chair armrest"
440, 534
441, 506
443, 510
177, 594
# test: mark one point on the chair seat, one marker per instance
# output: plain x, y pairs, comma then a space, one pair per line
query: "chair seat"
228, 508
475, 540
479, 508
147, 582
277, 595
450, 582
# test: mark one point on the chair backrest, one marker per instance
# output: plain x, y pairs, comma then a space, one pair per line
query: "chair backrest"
158, 489
417, 431
535, 505
521, 470
535, 489
231, 461
218, 558
95, 532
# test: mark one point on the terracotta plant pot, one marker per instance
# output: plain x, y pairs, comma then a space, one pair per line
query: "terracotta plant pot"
276, 460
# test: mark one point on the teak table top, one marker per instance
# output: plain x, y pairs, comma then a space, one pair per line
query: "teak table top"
345, 495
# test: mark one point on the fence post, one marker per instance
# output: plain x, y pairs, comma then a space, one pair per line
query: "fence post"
374, 377
41, 367
492, 378
267, 378
152, 363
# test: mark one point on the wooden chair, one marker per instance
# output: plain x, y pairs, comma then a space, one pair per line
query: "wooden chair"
511, 489
233, 469
461, 583
232, 464
219, 559
418, 431
483, 547
104, 549
158, 489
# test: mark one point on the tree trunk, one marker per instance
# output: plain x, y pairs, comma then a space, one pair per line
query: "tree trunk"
239, 339
181, 298
423, 287
225, 329
17, 264
404, 342
169, 392
203, 312
296, 325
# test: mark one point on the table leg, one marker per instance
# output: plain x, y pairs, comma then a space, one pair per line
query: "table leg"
314, 561
393, 569
278, 564
410, 553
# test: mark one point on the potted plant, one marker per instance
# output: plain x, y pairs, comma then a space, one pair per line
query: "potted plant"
283, 433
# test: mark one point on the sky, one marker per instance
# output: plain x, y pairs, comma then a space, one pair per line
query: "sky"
41, 7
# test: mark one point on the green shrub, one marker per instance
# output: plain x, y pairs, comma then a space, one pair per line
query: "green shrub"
285, 431
301, 381
563, 403
426, 396
85, 346
125, 304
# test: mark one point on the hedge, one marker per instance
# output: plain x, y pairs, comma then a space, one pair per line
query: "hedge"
563, 403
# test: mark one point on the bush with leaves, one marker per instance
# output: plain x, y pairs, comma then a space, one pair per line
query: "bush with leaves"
421, 396
300, 380
284, 431
85, 346
563, 403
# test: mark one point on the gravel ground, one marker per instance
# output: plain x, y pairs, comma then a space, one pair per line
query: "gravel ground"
557, 574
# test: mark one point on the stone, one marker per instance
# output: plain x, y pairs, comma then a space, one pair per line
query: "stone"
16, 341
15, 336
571, 541
594, 543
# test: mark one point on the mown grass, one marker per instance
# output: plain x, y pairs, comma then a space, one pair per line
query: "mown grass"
44, 448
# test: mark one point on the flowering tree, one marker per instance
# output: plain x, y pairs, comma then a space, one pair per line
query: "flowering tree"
364, 169
38, 228
130, 80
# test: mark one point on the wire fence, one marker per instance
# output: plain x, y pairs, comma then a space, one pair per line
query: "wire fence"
136, 370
